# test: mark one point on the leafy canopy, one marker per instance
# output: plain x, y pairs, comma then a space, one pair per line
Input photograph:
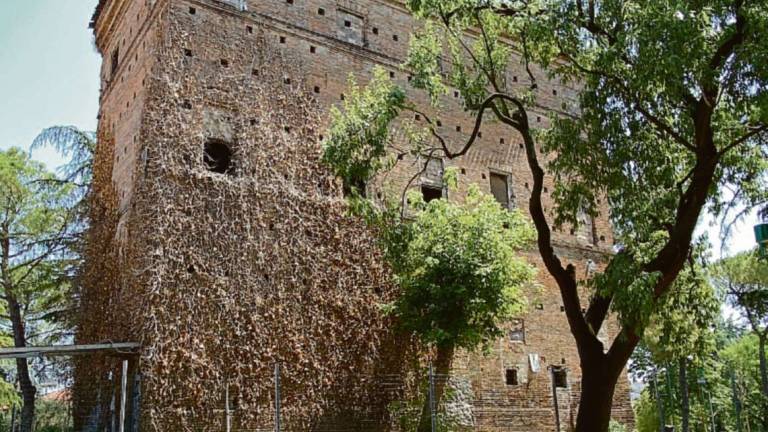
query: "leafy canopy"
744, 279
460, 269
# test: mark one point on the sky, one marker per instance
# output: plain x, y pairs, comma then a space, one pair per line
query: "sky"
49, 70
49, 75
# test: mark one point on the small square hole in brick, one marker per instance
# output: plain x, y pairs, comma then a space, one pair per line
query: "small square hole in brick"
439, 123
192, 11
417, 117
458, 128
187, 52
282, 39
463, 170
375, 30
290, 2
249, 29
312, 49
347, 23
254, 72
391, 74
186, 104
320, 11
287, 80
540, 306
342, 96
514, 79
456, 94
554, 92
224, 63
317, 89
501, 140
395, 38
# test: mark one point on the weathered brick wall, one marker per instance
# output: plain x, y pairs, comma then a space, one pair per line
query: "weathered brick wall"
183, 49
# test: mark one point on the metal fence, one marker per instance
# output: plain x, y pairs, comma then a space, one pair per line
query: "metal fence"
108, 402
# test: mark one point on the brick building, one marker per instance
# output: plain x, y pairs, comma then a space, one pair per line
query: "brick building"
217, 106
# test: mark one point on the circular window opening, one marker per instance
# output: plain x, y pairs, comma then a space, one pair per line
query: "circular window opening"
217, 156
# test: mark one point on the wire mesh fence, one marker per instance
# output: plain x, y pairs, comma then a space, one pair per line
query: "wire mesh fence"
104, 394
108, 401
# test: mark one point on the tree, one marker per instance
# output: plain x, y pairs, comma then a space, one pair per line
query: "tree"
681, 332
459, 271
741, 357
40, 226
744, 278
672, 111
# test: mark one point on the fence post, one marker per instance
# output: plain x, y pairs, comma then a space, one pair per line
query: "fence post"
554, 398
227, 410
659, 402
736, 401
123, 390
432, 407
277, 397
136, 401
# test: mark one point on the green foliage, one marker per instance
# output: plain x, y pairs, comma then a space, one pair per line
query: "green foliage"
646, 414
682, 325
359, 134
744, 279
616, 427
741, 357
671, 121
635, 128
459, 269
726, 377
53, 416
37, 217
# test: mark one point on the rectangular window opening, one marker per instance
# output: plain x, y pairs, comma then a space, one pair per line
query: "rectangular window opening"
431, 193
517, 333
560, 376
115, 61
511, 377
500, 189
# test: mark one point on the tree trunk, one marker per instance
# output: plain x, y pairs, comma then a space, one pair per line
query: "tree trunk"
28, 389
685, 407
442, 369
598, 384
764, 378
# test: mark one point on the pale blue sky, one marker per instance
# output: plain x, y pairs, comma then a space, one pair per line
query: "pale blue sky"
49, 75
49, 69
